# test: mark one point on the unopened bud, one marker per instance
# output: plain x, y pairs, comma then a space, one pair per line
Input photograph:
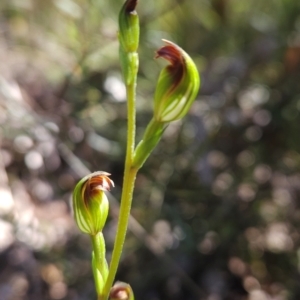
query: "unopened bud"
121, 291
177, 86
129, 29
90, 204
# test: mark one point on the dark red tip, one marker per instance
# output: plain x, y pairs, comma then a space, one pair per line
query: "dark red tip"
120, 291
169, 53
95, 183
130, 5
172, 54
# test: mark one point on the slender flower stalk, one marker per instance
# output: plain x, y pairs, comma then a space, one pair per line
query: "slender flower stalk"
152, 136
129, 41
99, 264
126, 200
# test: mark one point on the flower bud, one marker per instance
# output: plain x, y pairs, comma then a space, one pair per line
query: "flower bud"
129, 29
90, 203
177, 86
121, 291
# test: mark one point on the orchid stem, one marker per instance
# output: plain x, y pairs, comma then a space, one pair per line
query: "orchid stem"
128, 187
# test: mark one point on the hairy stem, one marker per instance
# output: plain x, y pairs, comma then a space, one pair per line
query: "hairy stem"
127, 191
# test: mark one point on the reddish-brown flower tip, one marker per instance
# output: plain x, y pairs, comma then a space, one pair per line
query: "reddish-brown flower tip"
177, 85
170, 52
173, 54
100, 181
121, 291
90, 203
129, 31
130, 5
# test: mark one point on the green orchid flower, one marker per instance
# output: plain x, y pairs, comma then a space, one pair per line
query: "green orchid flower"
90, 203
178, 84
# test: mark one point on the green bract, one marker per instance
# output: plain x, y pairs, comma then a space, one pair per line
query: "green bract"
129, 29
90, 203
177, 86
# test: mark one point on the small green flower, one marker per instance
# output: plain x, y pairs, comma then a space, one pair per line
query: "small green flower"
178, 84
90, 203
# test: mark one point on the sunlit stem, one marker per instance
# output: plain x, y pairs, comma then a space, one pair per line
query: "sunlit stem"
128, 181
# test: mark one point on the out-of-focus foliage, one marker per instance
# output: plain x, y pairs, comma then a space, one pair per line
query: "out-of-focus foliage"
216, 208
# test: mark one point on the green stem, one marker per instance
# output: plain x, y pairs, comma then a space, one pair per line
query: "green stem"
127, 191
151, 138
131, 124
99, 264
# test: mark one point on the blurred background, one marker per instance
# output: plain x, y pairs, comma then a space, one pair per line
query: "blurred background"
216, 210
